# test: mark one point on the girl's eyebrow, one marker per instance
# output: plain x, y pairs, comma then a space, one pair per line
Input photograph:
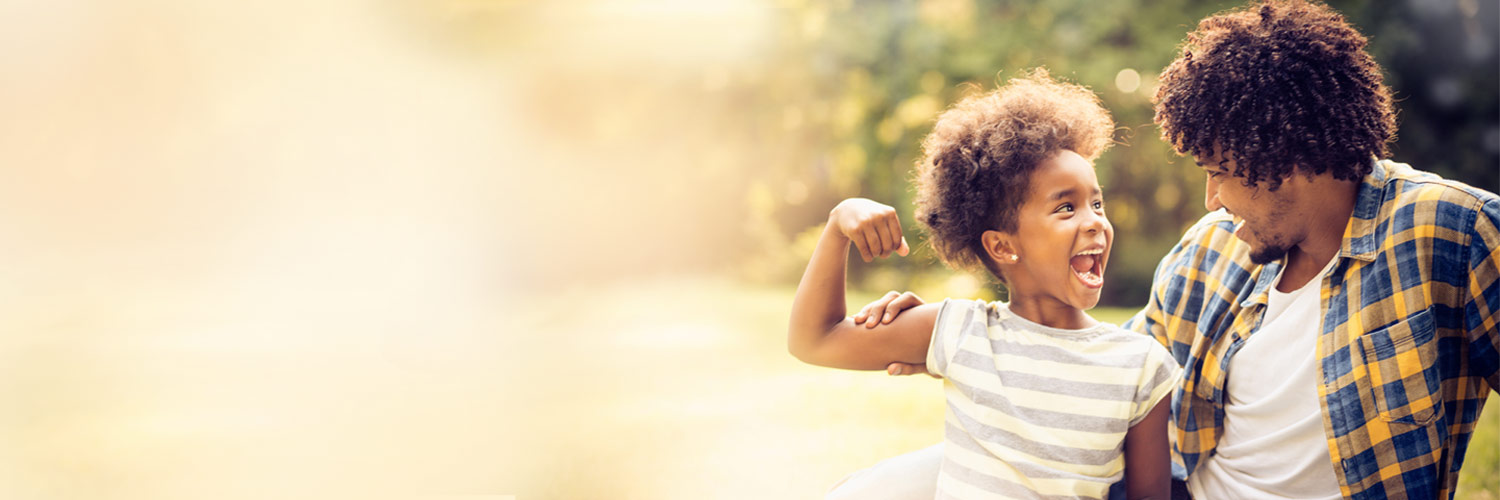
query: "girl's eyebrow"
1069, 192
1066, 193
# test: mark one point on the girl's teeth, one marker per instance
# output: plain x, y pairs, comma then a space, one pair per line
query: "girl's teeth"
1089, 277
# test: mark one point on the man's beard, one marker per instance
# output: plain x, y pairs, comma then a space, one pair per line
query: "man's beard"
1267, 254
1273, 246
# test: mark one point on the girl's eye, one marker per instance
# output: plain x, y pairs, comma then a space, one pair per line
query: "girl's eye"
1066, 207
1098, 205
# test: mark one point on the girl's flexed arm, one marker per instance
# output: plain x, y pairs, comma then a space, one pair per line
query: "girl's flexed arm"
820, 333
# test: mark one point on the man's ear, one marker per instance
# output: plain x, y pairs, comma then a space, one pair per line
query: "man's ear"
1000, 247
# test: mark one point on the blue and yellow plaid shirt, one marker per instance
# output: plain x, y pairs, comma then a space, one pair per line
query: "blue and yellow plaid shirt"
1408, 345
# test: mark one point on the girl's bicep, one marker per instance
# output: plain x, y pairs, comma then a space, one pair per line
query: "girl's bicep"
905, 340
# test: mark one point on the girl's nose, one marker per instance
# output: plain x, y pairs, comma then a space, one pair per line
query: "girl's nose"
1098, 222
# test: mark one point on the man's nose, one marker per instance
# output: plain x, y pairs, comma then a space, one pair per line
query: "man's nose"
1211, 195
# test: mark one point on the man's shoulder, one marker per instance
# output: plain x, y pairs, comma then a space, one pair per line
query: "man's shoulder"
1411, 193
1412, 212
1212, 230
1215, 221
1210, 243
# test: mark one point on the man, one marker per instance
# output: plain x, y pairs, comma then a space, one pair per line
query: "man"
1335, 316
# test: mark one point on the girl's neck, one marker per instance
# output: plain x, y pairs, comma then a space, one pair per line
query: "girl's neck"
1048, 311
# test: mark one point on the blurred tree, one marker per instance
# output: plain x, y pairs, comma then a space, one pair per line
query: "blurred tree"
852, 87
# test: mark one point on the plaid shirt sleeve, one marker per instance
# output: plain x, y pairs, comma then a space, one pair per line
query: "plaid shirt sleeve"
1482, 311
1196, 282
1180, 285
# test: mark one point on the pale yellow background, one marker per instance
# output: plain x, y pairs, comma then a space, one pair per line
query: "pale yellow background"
340, 249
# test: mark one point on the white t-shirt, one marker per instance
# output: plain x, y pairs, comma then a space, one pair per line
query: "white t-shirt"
1273, 444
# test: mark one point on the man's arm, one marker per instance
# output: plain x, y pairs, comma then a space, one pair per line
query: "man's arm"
1151, 320
1170, 314
1482, 311
819, 333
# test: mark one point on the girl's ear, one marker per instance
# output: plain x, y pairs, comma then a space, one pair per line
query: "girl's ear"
1000, 247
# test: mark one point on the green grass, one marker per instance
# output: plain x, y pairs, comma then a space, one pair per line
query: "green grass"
684, 389
1480, 477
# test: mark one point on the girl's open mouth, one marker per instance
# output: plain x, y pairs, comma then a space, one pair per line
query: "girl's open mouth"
1088, 266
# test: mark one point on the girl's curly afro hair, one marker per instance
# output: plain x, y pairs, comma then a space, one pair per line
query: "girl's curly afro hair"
1277, 86
977, 162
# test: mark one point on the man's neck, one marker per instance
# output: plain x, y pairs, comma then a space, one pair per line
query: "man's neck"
1301, 267
1328, 218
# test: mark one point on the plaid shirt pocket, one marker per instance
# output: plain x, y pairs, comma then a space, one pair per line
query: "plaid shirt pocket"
1401, 363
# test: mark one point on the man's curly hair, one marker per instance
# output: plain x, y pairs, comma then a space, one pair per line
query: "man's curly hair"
976, 164
1277, 86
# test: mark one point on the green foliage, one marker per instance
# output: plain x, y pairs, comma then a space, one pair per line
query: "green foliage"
856, 85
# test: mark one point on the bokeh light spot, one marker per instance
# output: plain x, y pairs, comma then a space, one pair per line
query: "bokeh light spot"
1127, 80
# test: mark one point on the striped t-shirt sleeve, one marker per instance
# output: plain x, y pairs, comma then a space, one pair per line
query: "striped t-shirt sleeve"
1158, 379
954, 317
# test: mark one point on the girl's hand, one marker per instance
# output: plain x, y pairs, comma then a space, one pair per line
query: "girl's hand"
900, 369
885, 309
881, 312
873, 227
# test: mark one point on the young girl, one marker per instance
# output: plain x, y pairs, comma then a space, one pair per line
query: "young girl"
1043, 400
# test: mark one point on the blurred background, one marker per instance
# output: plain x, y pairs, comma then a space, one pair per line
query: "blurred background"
507, 249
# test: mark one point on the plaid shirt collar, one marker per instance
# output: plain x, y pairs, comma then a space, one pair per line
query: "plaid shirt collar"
1360, 241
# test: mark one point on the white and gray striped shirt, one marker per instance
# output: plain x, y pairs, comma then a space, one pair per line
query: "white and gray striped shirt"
1039, 412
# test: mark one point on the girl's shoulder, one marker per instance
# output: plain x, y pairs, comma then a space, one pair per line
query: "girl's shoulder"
1136, 340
